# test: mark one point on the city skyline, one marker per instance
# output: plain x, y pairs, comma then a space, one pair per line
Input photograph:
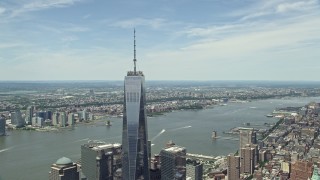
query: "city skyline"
203, 40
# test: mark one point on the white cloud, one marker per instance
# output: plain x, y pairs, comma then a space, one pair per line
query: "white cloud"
251, 50
297, 6
70, 38
77, 29
36, 5
86, 16
269, 8
2, 10
12, 45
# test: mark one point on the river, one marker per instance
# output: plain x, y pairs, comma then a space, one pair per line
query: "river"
28, 155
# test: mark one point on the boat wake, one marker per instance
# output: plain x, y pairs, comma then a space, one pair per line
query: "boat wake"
176, 129
161, 132
6, 149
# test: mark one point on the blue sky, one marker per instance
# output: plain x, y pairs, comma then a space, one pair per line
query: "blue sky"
176, 39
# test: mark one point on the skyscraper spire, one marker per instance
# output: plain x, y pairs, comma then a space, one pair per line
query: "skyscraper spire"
134, 51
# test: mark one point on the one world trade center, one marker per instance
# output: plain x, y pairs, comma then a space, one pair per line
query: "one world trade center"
135, 164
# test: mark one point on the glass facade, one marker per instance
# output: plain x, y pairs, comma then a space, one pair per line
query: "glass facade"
135, 163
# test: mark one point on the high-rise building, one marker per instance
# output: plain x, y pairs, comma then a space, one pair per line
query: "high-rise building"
29, 114
194, 170
64, 169
135, 163
41, 114
247, 159
55, 118
37, 121
63, 119
16, 119
83, 115
173, 163
247, 136
70, 119
2, 126
100, 161
233, 167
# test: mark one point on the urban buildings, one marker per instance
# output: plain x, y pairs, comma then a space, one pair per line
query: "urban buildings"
29, 114
37, 121
64, 169
301, 170
247, 136
55, 118
16, 119
233, 163
63, 119
135, 161
173, 163
2, 126
247, 159
70, 119
101, 161
194, 170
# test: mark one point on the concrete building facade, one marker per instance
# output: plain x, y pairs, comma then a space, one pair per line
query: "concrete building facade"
233, 163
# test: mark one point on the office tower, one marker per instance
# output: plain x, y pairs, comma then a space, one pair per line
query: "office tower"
29, 114
256, 153
41, 114
100, 161
38, 121
301, 170
194, 170
233, 167
83, 115
135, 163
63, 119
48, 115
70, 119
173, 163
247, 136
2, 126
64, 169
55, 119
16, 119
247, 159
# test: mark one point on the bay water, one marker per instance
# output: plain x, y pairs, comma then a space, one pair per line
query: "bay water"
28, 155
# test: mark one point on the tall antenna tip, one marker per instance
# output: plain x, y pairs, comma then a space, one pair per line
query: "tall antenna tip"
134, 50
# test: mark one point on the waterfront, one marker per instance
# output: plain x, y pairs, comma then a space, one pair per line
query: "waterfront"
29, 154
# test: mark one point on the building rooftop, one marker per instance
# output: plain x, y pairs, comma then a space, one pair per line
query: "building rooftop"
107, 146
175, 149
245, 129
137, 73
63, 161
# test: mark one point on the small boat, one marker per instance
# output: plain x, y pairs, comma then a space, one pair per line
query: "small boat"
269, 115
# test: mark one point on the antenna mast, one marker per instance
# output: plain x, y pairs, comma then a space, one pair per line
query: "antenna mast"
134, 51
